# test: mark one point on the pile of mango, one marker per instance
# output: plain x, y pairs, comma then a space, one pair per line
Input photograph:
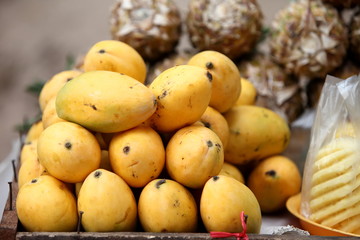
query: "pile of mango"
112, 153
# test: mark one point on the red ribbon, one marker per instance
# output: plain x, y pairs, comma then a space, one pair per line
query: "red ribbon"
239, 236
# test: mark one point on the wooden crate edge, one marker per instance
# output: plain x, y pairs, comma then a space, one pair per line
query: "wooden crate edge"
9, 221
162, 236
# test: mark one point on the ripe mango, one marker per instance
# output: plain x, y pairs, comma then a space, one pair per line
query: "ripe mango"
115, 56
226, 77
273, 181
105, 101
214, 120
233, 171
68, 151
30, 169
137, 155
193, 155
183, 94
167, 206
222, 200
107, 203
248, 93
54, 84
28, 151
34, 131
77, 188
255, 133
45, 204
49, 115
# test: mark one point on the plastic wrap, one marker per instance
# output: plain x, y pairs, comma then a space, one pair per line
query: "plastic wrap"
331, 180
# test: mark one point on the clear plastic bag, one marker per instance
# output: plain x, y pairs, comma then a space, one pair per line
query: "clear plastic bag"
330, 193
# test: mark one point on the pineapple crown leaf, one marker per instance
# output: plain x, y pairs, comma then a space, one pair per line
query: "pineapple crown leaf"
265, 31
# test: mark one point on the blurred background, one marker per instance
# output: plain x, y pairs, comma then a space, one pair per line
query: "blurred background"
38, 36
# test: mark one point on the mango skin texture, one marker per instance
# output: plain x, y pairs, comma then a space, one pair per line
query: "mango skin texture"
107, 203
105, 101
137, 155
255, 133
45, 204
183, 93
29, 169
222, 200
226, 87
68, 151
53, 86
215, 121
115, 56
233, 171
49, 115
167, 206
28, 151
34, 131
273, 181
193, 155
248, 93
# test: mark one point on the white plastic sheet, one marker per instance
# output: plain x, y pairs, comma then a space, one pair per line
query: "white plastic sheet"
7, 173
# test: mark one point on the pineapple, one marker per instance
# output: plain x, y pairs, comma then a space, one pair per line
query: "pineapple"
335, 186
276, 89
354, 36
152, 27
314, 88
342, 3
308, 38
231, 27
177, 58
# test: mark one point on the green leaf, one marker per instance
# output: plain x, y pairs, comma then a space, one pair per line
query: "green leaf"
265, 31
27, 123
35, 88
70, 62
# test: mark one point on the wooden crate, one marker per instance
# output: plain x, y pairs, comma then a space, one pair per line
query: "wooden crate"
10, 227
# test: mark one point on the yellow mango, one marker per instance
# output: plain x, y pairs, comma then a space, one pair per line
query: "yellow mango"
193, 155
222, 201
49, 115
137, 155
226, 84
31, 168
28, 151
105, 101
54, 84
68, 151
255, 133
214, 120
183, 94
248, 93
273, 181
115, 56
45, 204
167, 206
107, 203
34, 131
77, 188
233, 171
